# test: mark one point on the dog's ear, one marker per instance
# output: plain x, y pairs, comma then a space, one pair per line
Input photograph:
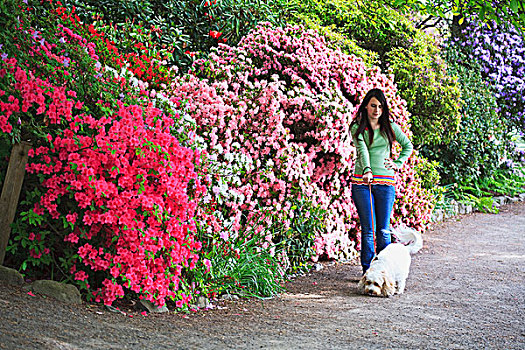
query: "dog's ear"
389, 287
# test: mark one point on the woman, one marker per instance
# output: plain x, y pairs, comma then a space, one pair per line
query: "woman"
373, 178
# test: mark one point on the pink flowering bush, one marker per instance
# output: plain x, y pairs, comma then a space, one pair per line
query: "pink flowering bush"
155, 187
113, 179
274, 115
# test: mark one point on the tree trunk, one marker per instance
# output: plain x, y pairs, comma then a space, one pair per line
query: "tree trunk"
11, 192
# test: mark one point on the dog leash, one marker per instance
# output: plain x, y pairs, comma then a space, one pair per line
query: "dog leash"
372, 216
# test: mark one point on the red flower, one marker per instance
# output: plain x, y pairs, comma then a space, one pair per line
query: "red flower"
215, 34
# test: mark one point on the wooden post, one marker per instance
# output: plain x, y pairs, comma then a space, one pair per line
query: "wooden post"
11, 192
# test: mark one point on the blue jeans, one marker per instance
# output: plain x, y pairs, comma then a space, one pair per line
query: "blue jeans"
383, 197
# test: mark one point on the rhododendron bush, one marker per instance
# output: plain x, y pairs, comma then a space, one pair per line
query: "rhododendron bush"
114, 185
275, 112
499, 49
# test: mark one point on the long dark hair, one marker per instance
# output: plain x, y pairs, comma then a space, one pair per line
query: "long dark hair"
363, 123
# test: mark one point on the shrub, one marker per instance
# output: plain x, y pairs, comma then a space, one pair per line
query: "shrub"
297, 242
373, 25
479, 147
336, 40
278, 107
500, 50
187, 28
241, 265
112, 189
404, 51
432, 93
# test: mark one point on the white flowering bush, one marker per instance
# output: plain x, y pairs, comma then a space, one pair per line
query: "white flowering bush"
275, 112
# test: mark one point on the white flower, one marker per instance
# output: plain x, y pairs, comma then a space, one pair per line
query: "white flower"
218, 148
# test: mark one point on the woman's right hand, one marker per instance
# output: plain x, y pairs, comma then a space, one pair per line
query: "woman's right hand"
368, 177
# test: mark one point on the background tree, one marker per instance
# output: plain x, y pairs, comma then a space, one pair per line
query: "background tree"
512, 11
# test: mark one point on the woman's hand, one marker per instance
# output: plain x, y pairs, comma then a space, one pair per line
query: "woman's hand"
368, 177
390, 165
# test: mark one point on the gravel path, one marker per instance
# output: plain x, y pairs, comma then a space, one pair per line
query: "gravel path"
466, 291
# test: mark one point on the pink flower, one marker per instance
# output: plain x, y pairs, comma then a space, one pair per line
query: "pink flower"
207, 263
72, 218
81, 276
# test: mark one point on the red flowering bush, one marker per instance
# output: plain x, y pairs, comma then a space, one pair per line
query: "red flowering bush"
113, 188
274, 114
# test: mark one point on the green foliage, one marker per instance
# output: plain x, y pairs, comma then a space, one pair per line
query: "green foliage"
306, 223
240, 265
5, 151
41, 262
372, 25
187, 29
476, 151
336, 40
453, 194
409, 54
432, 94
428, 171
482, 192
502, 182
487, 10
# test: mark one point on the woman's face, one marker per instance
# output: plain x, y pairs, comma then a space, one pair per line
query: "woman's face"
374, 109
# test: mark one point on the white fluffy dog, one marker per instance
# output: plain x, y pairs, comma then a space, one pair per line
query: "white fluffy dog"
389, 269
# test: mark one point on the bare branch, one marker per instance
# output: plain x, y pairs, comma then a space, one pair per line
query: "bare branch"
423, 22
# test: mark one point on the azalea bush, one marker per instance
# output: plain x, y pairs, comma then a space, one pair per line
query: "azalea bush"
276, 111
112, 181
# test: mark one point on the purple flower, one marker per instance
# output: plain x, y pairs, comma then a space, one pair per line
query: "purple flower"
499, 51
4, 56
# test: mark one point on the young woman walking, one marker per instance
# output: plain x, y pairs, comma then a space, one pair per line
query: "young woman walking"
373, 180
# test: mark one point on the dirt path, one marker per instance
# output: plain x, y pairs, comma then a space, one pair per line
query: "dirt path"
466, 291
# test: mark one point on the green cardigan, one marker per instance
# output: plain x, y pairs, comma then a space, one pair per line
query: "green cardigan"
373, 157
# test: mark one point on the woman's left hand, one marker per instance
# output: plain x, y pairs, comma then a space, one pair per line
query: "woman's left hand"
390, 165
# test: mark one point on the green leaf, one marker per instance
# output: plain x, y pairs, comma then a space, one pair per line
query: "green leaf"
514, 5
482, 14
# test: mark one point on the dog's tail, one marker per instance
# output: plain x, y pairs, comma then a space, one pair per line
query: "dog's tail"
409, 237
